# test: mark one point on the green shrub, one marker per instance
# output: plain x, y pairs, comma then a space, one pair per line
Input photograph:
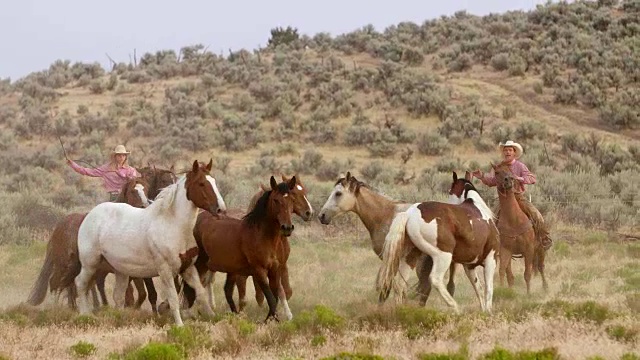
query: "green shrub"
82, 349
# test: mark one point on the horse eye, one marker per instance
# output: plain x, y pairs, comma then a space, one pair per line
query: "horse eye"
339, 193
202, 184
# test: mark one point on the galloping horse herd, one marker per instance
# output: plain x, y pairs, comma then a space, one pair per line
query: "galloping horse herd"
180, 230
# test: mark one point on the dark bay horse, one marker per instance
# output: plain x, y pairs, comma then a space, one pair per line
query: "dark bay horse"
465, 232
250, 246
517, 236
61, 264
301, 207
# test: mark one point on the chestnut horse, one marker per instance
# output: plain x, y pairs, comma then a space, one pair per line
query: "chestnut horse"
155, 241
517, 236
250, 246
304, 210
465, 232
61, 264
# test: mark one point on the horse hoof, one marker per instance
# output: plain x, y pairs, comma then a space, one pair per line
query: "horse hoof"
272, 318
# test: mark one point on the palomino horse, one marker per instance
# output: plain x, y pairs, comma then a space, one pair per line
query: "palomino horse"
250, 246
61, 264
517, 236
464, 232
157, 179
156, 241
376, 211
301, 207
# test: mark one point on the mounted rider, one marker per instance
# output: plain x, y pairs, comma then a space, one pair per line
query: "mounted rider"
511, 151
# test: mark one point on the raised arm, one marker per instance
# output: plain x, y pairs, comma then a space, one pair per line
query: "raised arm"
95, 172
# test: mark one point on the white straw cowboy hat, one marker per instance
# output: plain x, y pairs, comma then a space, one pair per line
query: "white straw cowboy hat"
514, 145
120, 149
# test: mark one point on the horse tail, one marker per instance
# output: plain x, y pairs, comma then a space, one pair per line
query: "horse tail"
391, 254
39, 289
538, 260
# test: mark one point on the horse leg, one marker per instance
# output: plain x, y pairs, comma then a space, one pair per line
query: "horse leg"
451, 286
128, 294
82, 281
540, 253
284, 279
191, 277
142, 293
489, 266
510, 277
241, 284
207, 281
505, 260
424, 284
400, 287
528, 268
166, 278
472, 275
264, 280
153, 294
100, 280
229, 284
441, 263
120, 289
94, 297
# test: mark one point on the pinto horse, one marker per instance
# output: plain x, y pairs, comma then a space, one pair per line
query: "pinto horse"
465, 233
61, 264
157, 179
376, 211
517, 236
250, 246
155, 241
301, 207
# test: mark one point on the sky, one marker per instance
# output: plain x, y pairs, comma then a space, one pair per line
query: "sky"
35, 33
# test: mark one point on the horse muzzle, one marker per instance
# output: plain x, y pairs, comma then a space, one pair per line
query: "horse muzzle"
286, 230
324, 219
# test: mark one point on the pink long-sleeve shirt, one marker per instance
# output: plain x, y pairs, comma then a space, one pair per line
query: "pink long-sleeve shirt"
113, 179
520, 170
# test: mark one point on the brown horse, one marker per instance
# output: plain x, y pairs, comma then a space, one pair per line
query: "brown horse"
517, 236
250, 246
304, 210
61, 263
465, 232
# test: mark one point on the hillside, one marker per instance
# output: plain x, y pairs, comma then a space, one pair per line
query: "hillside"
400, 107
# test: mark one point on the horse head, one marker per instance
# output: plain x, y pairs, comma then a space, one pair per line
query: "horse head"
342, 198
504, 178
301, 204
280, 204
202, 190
135, 192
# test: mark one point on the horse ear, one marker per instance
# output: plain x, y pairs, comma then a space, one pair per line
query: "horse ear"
274, 184
495, 168
263, 187
172, 168
292, 183
348, 176
467, 175
195, 166
210, 165
455, 177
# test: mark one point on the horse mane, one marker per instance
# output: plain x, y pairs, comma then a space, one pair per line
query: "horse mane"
259, 211
167, 196
354, 185
471, 194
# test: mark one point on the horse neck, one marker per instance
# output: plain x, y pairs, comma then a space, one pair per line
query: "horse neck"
182, 209
376, 213
509, 208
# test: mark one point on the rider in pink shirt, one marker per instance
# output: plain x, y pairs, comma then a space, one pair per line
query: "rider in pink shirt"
114, 174
511, 152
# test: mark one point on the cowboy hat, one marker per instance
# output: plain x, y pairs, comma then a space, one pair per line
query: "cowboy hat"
513, 144
120, 149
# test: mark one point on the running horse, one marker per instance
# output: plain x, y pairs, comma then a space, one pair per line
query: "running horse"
61, 264
250, 246
376, 211
144, 243
517, 236
465, 233
304, 210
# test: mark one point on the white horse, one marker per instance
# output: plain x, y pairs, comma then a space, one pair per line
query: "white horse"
144, 243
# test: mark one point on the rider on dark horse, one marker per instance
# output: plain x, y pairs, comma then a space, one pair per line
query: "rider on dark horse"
511, 152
